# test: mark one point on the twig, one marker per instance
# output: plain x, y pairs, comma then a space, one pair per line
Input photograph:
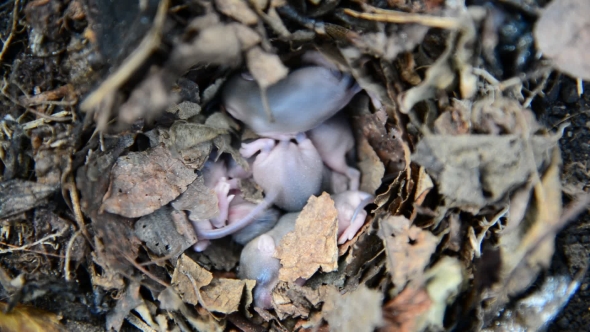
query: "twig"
12, 29
69, 248
141, 325
40, 241
149, 43
392, 16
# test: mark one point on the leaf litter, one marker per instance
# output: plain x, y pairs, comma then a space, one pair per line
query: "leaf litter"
466, 181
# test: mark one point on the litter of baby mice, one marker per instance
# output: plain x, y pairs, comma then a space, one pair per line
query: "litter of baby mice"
286, 163
235, 165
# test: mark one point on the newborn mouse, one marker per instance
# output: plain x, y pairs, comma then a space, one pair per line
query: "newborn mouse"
334, 140
351, 213
288, 172
257, 261
305, 98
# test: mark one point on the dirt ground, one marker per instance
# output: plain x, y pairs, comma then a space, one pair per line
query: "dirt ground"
470, 128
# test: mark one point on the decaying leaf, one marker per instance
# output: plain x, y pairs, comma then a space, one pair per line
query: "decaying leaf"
561, 33
238, 10
444, 281
537, 310
127, 302
188, 278
19, 196
186, 135
224, 295
404, 312
357, 311
266, 68
185, 110
142, 182
371, 167
302, 252
408, 248
197, 285
28, 319
529, 247
199, 200
292, 300
477, 170
166, 232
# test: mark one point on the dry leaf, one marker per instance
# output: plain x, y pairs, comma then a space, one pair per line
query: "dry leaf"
142, 182
199, 200
303, 251
444, 281
476, 170
189, 278
562, 34
127, 302
266, 68
28, 319
186, 135
404, 311
185, 110
19, 196
371, 167
166, 232
238, 10
537, 310
408, 248
354, 312
224, 295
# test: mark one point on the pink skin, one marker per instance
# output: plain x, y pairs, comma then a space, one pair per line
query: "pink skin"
307, 97
334, 140
289, 173
351, 213
257, 261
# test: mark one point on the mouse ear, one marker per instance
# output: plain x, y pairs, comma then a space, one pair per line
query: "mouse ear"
266, 245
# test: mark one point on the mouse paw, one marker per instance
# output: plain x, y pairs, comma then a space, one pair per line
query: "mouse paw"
263, 144
354, 175
222, 189
353, 228
201, 225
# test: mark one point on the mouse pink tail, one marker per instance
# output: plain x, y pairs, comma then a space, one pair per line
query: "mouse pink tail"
370, 199
218, 233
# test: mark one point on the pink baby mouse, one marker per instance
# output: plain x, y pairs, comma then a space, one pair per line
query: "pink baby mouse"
257, 261
288, 172
305, 98
334, 140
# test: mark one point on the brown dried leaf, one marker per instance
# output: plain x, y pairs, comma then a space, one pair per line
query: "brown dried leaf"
423, 186
266, 68
238, 10
408, 248
302, 252
28, 319
142, 182
355, 312
371, 167
247, 37
127, 302
186, 135
404, 311
292, 300
477, 170
562, 34
199, 200
185, 110
224, 295
387, 144
188, 278
166, 232
18, 196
